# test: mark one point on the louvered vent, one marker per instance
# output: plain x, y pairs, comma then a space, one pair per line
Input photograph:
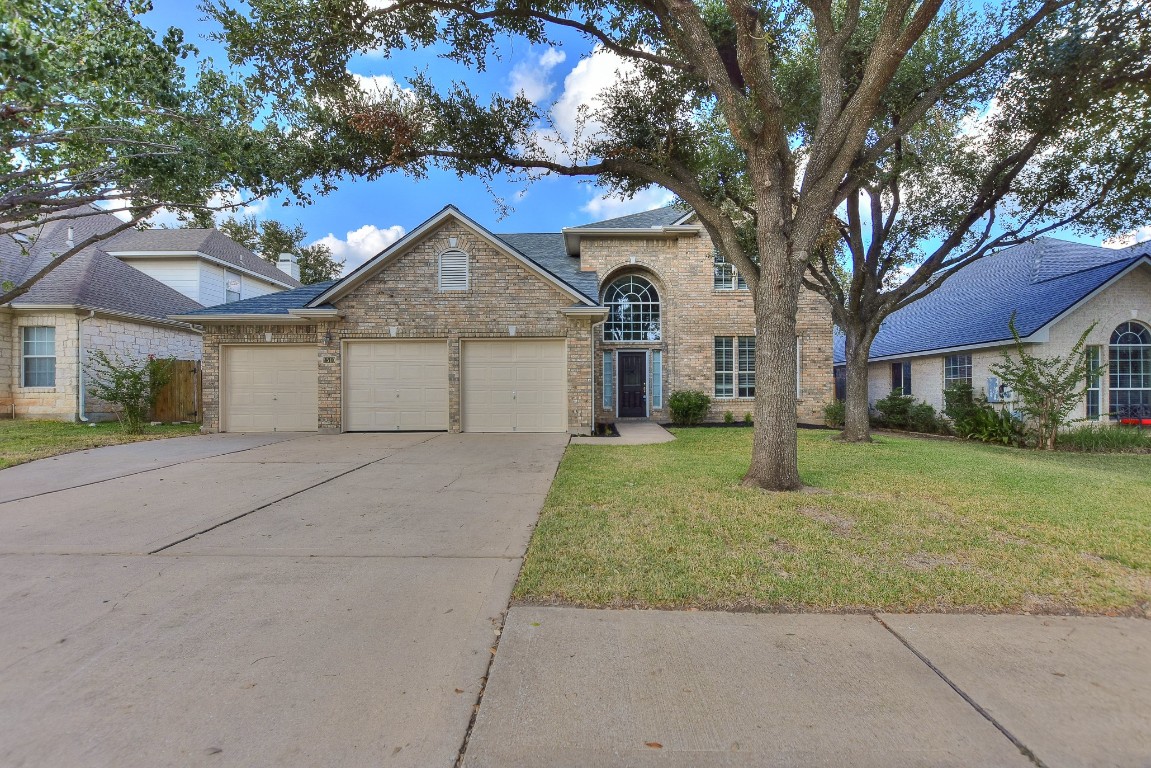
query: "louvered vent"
454, 271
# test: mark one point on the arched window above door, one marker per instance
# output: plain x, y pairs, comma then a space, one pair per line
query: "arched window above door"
633, 310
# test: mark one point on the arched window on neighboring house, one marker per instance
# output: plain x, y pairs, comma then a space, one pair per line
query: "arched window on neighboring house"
1129, 371
633, 310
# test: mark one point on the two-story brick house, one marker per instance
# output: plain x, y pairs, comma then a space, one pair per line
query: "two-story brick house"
455, 328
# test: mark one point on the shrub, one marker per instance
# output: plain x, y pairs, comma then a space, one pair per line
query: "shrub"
688, 406
921, 417
1103, 438
728, 417
129, 384
973, 417
747, 418
834, 413
893, 410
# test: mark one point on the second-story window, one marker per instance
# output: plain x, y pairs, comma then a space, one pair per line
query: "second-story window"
725, 277
231, 286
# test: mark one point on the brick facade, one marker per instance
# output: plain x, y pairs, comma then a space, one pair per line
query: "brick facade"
505, 298
693, 313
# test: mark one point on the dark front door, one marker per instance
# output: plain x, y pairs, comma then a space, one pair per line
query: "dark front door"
633, 384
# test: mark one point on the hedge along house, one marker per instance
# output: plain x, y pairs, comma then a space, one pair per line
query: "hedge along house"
1056, 290
458, 329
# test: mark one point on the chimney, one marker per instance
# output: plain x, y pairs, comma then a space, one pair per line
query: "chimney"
288, 263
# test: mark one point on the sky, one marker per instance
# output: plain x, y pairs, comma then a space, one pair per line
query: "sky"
362, 217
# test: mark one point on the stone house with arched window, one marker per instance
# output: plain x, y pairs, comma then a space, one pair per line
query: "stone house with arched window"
1056, 290
456, 328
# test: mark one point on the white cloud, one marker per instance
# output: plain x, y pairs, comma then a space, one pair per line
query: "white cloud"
609, 207
1141, 235
361, 244
379, 84
584, 87
532, 77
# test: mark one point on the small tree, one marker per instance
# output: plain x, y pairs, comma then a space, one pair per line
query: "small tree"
130, 384
1047, 388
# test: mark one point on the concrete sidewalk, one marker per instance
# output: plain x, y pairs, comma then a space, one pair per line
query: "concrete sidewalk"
572, 687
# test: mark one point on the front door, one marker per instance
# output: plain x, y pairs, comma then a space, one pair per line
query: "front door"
632, 384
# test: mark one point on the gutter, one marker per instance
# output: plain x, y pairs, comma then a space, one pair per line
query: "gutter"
81, 406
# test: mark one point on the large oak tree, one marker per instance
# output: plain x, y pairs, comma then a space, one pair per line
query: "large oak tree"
764, 117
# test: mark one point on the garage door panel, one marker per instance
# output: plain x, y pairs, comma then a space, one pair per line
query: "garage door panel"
270, 388
514, 386
396, 385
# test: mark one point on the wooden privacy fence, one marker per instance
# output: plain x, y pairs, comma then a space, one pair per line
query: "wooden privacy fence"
180, 399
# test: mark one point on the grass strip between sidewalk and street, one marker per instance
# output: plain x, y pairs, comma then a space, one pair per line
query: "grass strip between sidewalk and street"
23, 441
901, 524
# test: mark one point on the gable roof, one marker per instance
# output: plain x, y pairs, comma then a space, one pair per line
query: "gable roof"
667, 216
92, 279
377, 262
1038, 281
208, 242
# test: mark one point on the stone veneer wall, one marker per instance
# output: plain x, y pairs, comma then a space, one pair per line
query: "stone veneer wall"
693, 313
404, 295
113, 335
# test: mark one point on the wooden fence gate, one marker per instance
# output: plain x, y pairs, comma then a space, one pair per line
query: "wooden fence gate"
180, 399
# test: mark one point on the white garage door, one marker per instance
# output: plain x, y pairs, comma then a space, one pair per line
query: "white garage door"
514, 386
395, 385
270, 388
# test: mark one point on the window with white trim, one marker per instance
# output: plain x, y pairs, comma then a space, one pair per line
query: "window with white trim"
453, 271
724, 275
609, 380
1129, 371
1094, 381
656, 379
38, 356
633, 311
231, 286
956, 370
901, 378
734, 366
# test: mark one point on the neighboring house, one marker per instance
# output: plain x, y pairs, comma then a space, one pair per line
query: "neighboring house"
455, 328
1056, 290
95, 300
203, 264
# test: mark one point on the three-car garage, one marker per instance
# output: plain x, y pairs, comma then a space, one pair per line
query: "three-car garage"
505, 385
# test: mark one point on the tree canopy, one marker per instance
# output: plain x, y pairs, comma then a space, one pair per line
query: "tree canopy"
269, 238
95, 109
765, 117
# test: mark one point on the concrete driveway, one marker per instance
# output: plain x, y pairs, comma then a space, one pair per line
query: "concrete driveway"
245, 600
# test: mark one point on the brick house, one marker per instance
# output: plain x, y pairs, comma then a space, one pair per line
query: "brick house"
455, 328
1056, 290
97, 300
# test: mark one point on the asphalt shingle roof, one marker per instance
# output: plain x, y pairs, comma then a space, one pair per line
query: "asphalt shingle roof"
1038, 281
91, 279
659, 217
207, 241
271, 303
547, 250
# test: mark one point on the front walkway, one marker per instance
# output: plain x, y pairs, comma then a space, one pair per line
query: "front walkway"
631, 432
573, 687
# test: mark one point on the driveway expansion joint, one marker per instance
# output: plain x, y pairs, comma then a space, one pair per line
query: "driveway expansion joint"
1023, 748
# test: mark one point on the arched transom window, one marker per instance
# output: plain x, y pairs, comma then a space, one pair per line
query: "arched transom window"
1130, 371
633, 310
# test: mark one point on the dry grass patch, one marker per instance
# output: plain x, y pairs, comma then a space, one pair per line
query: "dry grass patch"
906, 524
22, 441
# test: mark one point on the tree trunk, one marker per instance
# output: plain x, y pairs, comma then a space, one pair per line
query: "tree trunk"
856, 418
774, 452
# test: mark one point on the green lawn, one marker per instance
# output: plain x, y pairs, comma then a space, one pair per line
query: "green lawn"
902, 524
22, 441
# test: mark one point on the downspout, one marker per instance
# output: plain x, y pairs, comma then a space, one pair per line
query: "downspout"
592, 404
80, 404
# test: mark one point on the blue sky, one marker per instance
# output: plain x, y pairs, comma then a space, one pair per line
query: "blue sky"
362, 217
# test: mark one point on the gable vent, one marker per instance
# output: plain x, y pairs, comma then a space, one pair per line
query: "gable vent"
453, 271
